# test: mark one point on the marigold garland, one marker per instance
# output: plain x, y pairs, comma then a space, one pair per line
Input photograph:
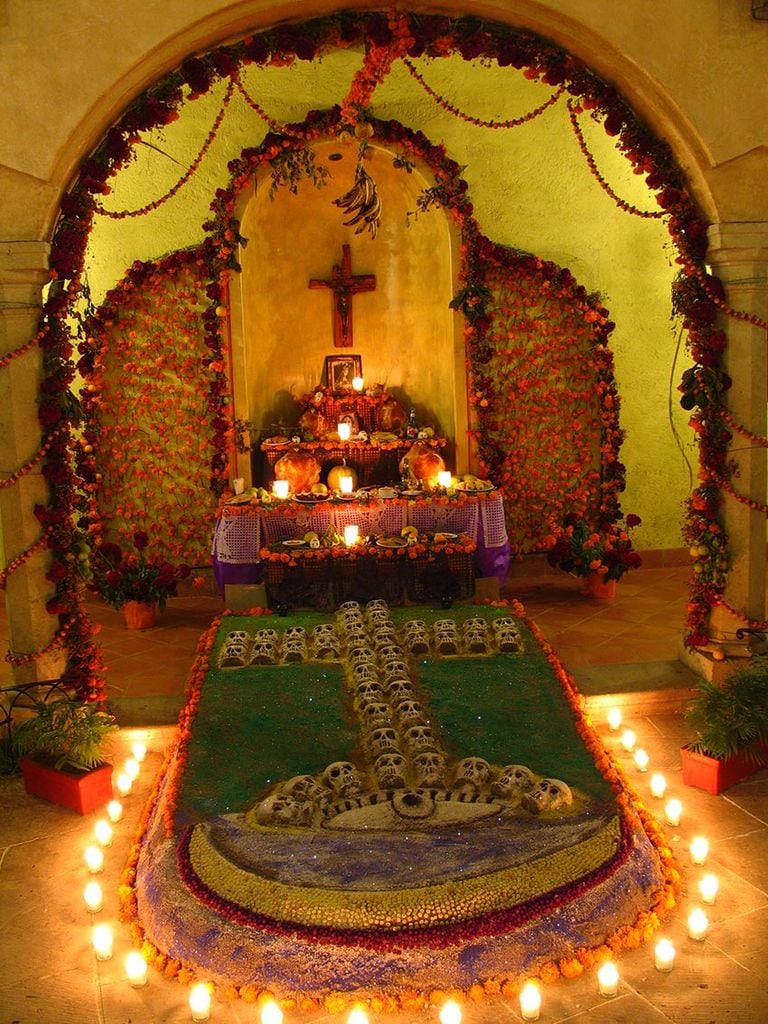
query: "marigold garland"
514, 122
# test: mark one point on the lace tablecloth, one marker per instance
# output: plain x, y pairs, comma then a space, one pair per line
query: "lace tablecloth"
240, 534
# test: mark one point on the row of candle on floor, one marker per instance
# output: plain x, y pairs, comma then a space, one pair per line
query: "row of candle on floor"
708, 885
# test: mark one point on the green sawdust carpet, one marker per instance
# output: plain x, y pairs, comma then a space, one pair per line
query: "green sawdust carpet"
437, 819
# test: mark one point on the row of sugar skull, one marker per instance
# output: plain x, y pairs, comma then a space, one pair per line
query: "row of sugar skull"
507, 640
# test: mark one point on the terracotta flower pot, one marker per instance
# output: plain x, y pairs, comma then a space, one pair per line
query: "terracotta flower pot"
599, 588
78, 791
714, 774
139, 614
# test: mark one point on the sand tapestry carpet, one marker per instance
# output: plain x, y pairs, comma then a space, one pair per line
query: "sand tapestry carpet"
386, 802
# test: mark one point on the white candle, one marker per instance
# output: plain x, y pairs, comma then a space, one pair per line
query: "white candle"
102, 830
641, 759
139, 750
628, 740
94, 897
357, 384
351, 534
665, 955
123, 783
673, 810
444, 478
658, 785
94, 859
136, 969
200, 1002
132, 768
698, 923
346, 484
280, 488
344, 431
357, 1016
450, 1013
614, 719
114, 810
530, 1001
608, 979
708, 888
699, 849
102, 941
271, 1013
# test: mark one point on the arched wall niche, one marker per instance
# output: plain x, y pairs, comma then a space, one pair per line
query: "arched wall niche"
408, 338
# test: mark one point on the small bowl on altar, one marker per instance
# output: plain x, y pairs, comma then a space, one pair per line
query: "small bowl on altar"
387, 492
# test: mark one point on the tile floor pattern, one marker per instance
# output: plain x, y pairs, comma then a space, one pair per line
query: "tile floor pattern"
49, 973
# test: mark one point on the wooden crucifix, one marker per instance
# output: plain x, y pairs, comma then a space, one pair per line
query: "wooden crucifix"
344, 284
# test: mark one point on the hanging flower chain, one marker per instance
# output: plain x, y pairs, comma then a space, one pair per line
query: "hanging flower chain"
192, 169
377, 64
56, 641
20, 559
735, 425
515, 122
573, 109
10, 356
736, 314
725, 485
276, 126
759, 624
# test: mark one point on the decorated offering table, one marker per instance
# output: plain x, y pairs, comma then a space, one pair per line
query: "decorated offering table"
249, 530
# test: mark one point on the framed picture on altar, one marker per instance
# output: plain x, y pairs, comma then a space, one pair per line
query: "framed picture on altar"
340, 371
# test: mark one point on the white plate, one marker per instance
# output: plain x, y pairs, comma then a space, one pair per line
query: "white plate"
294, 543
391, 542
411, 494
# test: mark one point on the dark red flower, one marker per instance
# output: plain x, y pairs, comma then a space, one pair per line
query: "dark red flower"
140, 540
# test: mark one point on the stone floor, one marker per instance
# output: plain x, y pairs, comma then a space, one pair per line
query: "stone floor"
621, 652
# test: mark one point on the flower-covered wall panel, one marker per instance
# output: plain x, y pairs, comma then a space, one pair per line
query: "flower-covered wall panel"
550, 393
152, 418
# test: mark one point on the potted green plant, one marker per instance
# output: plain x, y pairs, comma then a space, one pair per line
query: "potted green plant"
136, 582
61, 749
600, 553
730, 724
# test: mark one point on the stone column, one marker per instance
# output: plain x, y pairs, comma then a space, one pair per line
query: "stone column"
739, 257
23, 273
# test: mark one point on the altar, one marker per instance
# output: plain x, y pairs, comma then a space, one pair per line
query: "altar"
245, 527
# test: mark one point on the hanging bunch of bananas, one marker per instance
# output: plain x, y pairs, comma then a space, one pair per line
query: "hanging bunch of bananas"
362, 202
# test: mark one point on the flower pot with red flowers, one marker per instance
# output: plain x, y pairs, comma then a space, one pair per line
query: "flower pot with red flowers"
138, 583
61, 752
730, 723
600, 552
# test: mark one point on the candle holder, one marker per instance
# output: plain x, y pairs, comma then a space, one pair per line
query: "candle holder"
450, 1013
665, 955
614, 719
280, 489
101, 937
346, 484
530, 1001
344, 431
641, 759
608, 979
94, 859
114, 811
94, 897
271, 1013
102, 831
699, 850
136, 969
698, 924
658, 785
199, 1002
708, 888
351, 534
673, 811
628, 739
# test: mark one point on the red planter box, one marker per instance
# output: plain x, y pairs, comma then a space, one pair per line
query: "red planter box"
712, 774
78, 791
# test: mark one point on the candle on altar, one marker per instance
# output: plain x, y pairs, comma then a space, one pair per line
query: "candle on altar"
101, 937
450, 1013
280, 488
357, 384
444, 478
94, 897
708, 888
673, 810
271, 1013
658, 785
664, 955
351, 534
614, 719
699, 849
136, 969
530, 1001
698, 923
608, 979
200, 1002
94, 859
344, 431
346, 484
628, 740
